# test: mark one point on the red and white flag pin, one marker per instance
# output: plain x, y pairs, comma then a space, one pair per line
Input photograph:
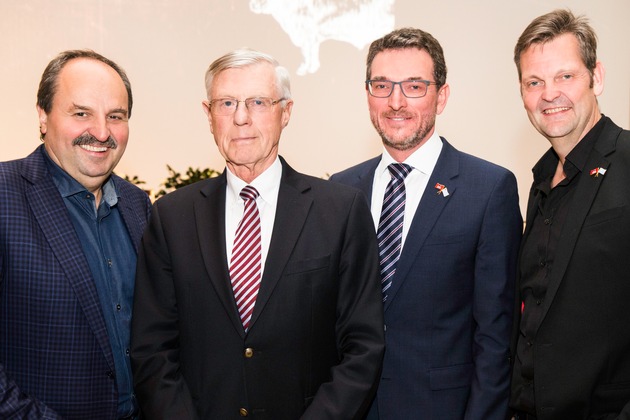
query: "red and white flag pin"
441, 189
597, 172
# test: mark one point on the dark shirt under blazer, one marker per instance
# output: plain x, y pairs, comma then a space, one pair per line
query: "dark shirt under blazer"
55, 355
581, 350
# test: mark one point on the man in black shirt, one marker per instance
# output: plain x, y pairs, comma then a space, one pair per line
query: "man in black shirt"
571, 342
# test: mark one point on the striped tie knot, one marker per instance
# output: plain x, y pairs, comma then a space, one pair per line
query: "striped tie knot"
399, 171
249, 193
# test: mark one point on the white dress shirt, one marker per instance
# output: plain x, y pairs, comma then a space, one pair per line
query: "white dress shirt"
267, 184
422, 161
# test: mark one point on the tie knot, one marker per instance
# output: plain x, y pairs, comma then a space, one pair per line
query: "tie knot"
399, 171
249, 193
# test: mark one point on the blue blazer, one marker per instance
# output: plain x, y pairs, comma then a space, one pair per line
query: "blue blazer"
449, 311
55, 356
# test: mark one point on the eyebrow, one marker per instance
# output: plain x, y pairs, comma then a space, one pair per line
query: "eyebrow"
409, 79
113, 111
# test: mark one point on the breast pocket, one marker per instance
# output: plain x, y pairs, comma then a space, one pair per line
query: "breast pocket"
604, 216
306, 266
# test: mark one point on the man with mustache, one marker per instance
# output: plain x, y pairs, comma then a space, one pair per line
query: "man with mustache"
69, 230
448, 226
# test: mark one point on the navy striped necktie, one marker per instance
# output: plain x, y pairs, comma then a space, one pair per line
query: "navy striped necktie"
390, 225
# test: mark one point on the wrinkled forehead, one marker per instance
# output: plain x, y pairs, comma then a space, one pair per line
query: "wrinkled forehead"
257, 79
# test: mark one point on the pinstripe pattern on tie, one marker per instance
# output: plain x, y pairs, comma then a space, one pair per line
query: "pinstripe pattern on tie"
246, 257
390, 225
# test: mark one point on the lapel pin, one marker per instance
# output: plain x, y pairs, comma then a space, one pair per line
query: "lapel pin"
441, 189
597, 171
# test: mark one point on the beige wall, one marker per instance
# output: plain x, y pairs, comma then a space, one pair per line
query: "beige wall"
165, 46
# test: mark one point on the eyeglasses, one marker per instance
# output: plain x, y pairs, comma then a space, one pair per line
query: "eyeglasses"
409, 88
228, 106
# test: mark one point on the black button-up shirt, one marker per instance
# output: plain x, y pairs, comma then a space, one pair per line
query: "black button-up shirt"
538, 252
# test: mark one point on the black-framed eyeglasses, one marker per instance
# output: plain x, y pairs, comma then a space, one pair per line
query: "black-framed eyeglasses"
410, 88
228, 106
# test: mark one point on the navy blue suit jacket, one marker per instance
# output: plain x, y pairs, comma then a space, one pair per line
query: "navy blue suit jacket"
449, 311
55, 356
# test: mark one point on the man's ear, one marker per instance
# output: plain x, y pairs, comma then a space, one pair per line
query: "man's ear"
206, 108
43, 122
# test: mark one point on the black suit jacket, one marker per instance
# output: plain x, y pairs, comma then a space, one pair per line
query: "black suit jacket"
315, 342
582, 348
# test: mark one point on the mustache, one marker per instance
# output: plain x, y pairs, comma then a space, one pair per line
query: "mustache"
90, 140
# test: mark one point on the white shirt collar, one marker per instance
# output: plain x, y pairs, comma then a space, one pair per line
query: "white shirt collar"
423, 159
267, 183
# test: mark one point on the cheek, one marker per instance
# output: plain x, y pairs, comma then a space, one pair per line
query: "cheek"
529, 102
120, 133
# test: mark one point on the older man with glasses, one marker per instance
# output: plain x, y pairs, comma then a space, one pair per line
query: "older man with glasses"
258, 291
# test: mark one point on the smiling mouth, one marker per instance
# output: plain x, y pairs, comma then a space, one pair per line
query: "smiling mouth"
555, 110
91, 148
397, 118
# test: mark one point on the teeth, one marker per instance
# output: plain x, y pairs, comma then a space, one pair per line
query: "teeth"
554, 110
93, 148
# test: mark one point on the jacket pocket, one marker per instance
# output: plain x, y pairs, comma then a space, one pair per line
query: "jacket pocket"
456, 376
604, 215
304, 266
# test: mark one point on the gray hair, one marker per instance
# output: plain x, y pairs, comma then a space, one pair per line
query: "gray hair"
247, 57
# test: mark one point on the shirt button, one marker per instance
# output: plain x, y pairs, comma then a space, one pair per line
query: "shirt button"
118, 307
538, 302
547, 221
243, 412
249, 352
127, 352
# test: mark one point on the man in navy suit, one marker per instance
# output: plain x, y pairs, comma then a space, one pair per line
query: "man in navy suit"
304, 338
69, 230
449, 270
571, 339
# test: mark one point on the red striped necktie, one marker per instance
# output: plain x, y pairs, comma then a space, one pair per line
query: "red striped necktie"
246, 257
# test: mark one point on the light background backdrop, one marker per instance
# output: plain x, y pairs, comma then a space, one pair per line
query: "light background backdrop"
165, 47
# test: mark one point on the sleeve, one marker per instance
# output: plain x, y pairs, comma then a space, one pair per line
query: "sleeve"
493, 306
359, 325
160, 388
15, 404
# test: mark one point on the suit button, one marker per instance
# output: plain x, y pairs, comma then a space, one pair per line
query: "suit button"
243, 412
249, 352
110, 374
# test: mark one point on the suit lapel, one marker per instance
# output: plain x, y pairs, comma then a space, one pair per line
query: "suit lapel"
365, 179
291, 212
431, 206
579, 208
50, 212
131, 216
209, 210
